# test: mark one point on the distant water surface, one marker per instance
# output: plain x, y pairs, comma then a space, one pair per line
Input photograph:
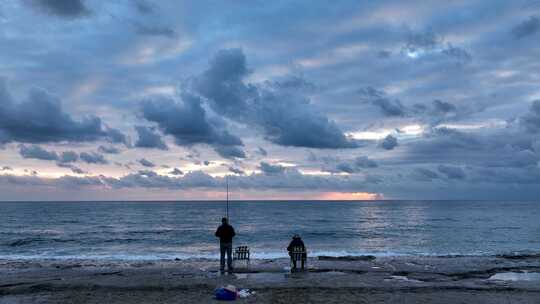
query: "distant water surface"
165, 230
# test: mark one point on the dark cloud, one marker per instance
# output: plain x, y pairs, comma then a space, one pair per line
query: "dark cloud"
420, 44
531, 120
230, 152
206, 162
290, 179
236, 171
6, 168
524, 158
176, 171
68, 157
93, 158
77, 170
155, 30
62, 8
443, 107
419, 41
450, 145
37, 152
40, 118
148, 138
423, 174
526, 28
389, 107
384, 54
262, 151
434, 113
356, 165
280, 109
146, 163
188, 123
458, 54
267, 168
451, 172
144, 7
108, 150
72, 167
389, 142
222, 83
365, 162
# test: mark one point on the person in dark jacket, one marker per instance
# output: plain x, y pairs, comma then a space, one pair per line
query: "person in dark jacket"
297, 242
225, 233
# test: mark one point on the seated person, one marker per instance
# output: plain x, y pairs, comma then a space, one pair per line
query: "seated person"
297, 242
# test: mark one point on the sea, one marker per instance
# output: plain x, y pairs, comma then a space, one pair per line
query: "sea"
169, 230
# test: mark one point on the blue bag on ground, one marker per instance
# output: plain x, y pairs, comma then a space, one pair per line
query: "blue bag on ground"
225, 294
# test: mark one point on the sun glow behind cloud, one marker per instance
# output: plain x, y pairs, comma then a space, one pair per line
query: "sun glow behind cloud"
350, 196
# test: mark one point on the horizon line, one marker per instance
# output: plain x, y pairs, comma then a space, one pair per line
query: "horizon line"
249, 200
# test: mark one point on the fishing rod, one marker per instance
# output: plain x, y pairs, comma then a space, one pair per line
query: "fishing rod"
227, 183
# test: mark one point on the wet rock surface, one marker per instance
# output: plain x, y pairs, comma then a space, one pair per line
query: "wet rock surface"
415, 278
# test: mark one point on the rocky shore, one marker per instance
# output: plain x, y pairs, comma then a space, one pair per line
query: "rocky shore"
447, 279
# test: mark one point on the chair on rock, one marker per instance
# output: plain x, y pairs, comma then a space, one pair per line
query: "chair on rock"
241, 253
298, 253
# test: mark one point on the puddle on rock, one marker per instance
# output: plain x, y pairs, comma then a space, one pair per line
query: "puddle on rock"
267, 277
402, 278
516, 276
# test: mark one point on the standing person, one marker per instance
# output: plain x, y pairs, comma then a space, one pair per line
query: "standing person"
225, 233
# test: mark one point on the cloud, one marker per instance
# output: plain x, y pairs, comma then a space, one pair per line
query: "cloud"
421, 44
389, 142
349, 166
155, 30
36, 152
189, 124
230, 152
62, 8
148, 138
419, 41
146, 163
460, 55
144, 7
280, 109
176, 171
72, 167
6, 168
389, 107
267, 168
262, 151
93, 158
108, 150
451, 172
531, 120
423, 174
68, 157
288, 179
434, 113
236, 171
443, 107
40, 118
526, 28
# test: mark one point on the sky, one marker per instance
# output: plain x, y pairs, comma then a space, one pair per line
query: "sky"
165, 100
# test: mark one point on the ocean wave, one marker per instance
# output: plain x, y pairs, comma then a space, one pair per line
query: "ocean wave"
28, 241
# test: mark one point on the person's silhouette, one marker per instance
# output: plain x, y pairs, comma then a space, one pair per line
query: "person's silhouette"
297, 242
225, 233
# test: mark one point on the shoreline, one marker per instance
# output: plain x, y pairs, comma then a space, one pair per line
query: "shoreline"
347, 279
323, 255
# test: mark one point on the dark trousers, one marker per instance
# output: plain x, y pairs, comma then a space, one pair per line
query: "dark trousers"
226, 248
